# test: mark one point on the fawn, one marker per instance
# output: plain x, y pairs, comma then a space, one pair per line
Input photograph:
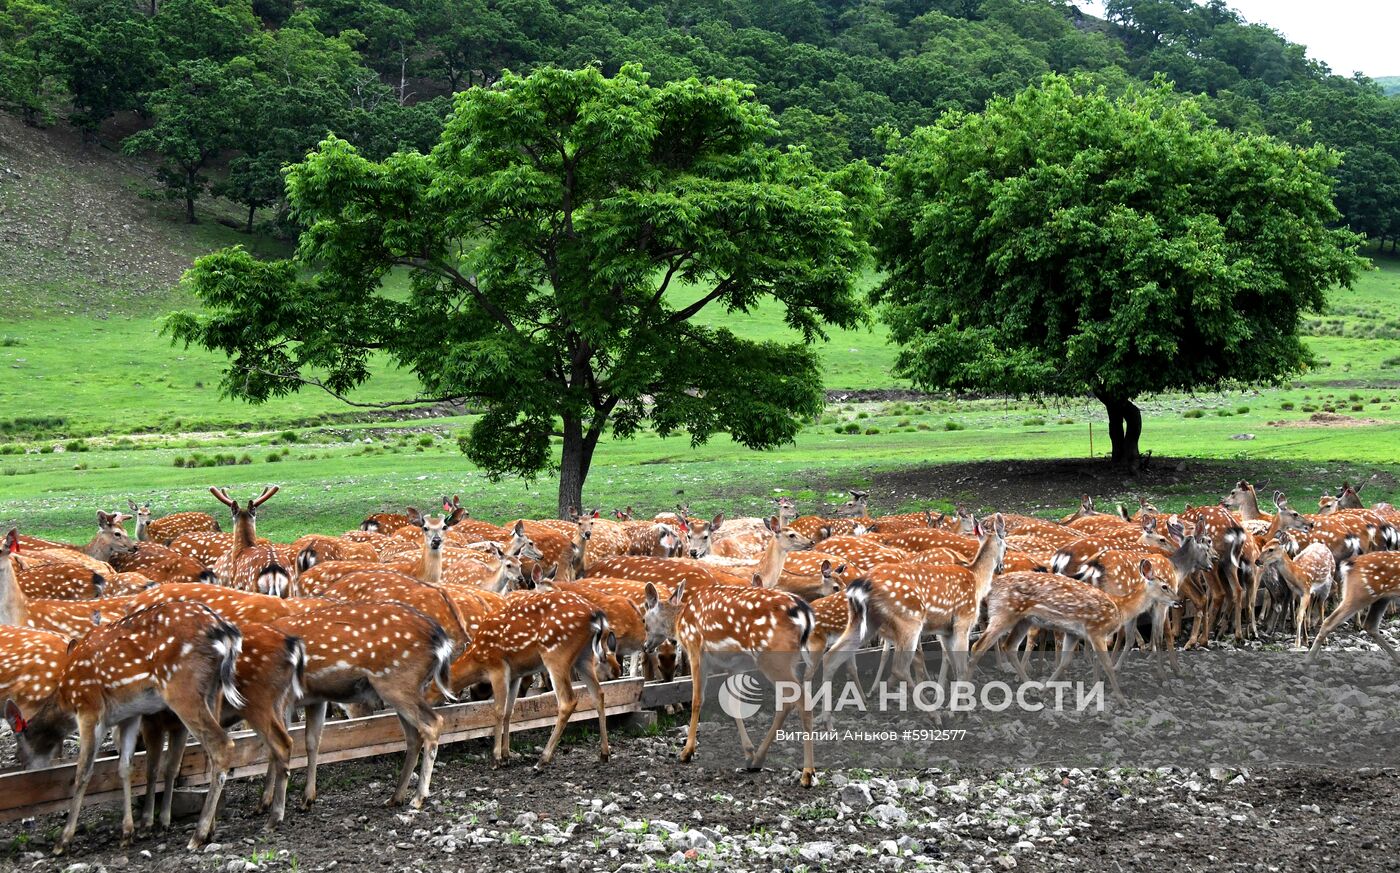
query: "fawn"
1308, 576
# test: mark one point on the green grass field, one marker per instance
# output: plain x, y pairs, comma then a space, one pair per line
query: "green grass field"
97, 409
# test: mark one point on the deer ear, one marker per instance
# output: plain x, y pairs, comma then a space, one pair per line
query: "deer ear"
103, 519
679, 594
768, 524
12, 542
651, 597
826, 567
840, 570
536, 574
595, 514
757, 580
717, 521
824, 532
14, 717
1146, 567
131, 504
519, 529
96, 618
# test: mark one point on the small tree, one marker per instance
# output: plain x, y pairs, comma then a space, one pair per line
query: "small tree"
559, 242
1067, 243
195, 119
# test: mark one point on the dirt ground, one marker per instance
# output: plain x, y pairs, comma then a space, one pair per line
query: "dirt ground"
643, 809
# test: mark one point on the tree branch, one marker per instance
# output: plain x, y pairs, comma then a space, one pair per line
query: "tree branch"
719, 291
317, 383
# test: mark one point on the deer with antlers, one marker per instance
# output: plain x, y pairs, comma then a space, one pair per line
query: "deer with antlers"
771, 627
550, 631
375, 654
249, 566
176, 656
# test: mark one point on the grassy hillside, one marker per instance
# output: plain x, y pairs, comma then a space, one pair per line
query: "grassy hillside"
96, 406
1389, 84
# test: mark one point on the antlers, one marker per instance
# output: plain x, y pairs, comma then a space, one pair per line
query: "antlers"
221, 494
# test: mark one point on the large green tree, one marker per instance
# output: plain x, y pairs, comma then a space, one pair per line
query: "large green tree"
1064, 242
559, 242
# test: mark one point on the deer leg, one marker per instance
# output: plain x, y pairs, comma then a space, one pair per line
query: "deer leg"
1345, 610
1300, 618
1237, 595
127, 733
1373, 625
590, 679
1101, 649
205, 726
413, 747
697, 692
174, 756
770, 668
997, 628
502, 688
315, 721
1252, 603
273, 730
153, 738
885, 648
90, 730
566, 702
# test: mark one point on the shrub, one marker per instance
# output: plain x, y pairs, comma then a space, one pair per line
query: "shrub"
287, 436
862, 415
1353, 397
75, 446
903, 422
1194, 413
1308, 407
246, 459
9, 341
1034, 422
179, 460
1066, 421
953, 425
426, 440
923, 425
1357, 407
274, 458
10, 449
1224, 413
1286, 405
1241, 410
871, 431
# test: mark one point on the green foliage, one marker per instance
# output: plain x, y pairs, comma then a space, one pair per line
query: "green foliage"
1066, 242
541, 235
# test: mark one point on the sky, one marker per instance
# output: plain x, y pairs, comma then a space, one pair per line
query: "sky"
1347, 35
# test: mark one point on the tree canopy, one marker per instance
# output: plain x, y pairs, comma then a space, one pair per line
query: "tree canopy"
558, 241
1066, 242
379, 73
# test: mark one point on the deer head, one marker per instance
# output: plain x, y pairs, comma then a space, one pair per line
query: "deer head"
787, 509
1159, 591
698, 536
854, 507
1289, 518
521, 545
787, 539
143, 517
659, 616
111, 540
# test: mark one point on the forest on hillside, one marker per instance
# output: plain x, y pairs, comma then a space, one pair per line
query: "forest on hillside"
226, 93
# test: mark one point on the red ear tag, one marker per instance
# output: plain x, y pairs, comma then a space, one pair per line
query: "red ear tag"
20, 725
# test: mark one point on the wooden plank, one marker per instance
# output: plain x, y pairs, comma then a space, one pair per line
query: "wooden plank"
28, 793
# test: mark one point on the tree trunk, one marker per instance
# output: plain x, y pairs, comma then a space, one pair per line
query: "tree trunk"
252, 210
1124, 429
574, 462
189, 210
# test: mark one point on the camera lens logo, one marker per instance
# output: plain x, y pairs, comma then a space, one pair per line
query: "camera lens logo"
740, 695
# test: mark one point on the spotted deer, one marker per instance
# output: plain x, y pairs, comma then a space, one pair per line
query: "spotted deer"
1308, 576
249, 566
269, 676
388, 522
375, 654
556, 632
771, 627
239, 607
666, 572
389, 586
176, 656
1019, 601
31, 663
1370, 580
603, 538
903, 601
206, 547
311, 549
163, 530
71, 618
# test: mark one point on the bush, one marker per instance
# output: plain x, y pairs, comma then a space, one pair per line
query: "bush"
871, 431
75, 446
274, 458
953, 425
1034, 422
1357, 407
246, 459
9, 341
426, 440
1286, 405
1224, 413
1241, 410
923, 425
1353, 397
1308, 407
287, 436
862, 415
10, 449
179, 461
1066, 421
1194, 413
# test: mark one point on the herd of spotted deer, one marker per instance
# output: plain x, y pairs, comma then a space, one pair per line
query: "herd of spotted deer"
187, 629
